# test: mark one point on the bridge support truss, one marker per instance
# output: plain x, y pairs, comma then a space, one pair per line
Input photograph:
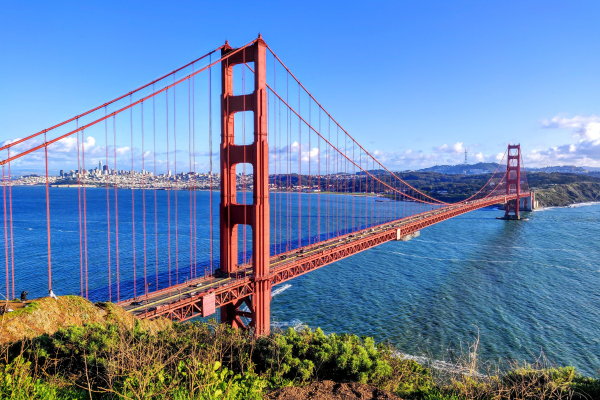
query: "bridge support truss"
513, 181
256, 215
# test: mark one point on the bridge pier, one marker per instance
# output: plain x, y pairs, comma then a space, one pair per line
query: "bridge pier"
256, 215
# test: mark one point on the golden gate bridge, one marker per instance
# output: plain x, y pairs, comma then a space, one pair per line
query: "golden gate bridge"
295, 221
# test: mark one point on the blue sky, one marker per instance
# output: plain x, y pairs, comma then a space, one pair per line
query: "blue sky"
416, 82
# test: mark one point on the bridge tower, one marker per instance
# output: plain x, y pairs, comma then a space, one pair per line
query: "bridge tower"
256, 215
513, 181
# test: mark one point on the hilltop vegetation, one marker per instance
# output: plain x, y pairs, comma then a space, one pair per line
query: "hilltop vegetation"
119, 360
567, 194
452, 188
47, 315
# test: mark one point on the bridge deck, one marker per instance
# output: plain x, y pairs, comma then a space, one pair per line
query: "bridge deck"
184, 301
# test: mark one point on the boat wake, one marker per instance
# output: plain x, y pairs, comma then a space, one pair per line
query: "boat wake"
280, 290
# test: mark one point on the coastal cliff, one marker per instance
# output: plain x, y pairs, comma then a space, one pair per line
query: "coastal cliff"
562, 195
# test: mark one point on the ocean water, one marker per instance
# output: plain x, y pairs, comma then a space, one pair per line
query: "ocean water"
525, 288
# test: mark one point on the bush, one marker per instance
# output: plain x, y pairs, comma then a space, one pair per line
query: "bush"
298, 357
211, 361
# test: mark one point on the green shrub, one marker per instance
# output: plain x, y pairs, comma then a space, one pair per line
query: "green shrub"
308, 355
211, 361
17, 383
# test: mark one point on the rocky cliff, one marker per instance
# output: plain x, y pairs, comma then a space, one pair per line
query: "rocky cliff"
567, 194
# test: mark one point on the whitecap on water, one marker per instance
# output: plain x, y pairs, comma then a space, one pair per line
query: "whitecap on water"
280, 290
295, 324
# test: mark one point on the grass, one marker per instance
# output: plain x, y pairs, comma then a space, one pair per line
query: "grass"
22, 310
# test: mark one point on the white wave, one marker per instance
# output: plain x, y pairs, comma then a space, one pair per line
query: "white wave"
540, 209
440, 365
589, 203
295, 324
280, 290
576, 205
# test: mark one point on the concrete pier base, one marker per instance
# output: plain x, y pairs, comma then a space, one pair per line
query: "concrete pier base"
510, 217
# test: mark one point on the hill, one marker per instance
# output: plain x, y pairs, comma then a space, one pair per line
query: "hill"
568, 194
468, 169
47, 316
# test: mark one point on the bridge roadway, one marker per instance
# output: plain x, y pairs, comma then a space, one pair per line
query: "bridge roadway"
184, 301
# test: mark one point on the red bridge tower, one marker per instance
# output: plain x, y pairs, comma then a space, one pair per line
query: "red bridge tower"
256, 215
513, 181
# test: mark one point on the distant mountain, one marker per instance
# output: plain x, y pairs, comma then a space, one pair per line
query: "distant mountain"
468, 169
486, 168
568, 169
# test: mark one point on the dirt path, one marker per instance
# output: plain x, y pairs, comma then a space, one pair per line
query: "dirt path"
328, 390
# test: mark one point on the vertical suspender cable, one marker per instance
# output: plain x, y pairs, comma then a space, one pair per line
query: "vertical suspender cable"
309, 175
194, 168
280, 173
144, 202
327, 179
319, 182
210, 163
132, 201
85, 247
337, 182
274, 154
5, 235
116, 209
288, 127
169, 180
12, 253
80, 227
347, 182
107, 206
353, 227
188, 180
299, 173
48, 219
154, 178
176, 182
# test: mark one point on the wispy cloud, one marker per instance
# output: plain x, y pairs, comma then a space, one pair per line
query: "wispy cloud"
584, 152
